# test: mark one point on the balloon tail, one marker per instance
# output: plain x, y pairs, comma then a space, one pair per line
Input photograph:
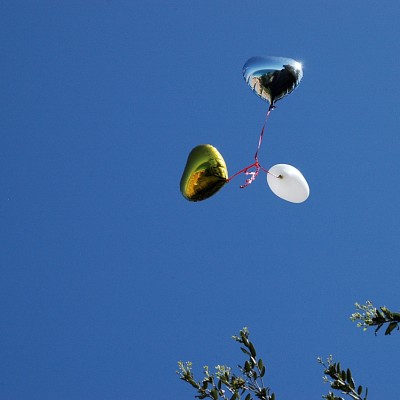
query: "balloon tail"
256, 164
270, 173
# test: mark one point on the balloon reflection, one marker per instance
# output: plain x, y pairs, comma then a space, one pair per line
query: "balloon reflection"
272, 78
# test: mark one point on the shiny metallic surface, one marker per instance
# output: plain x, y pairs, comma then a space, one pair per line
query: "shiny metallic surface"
272, 78
205, 173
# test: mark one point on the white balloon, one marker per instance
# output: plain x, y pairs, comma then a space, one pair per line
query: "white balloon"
288, 183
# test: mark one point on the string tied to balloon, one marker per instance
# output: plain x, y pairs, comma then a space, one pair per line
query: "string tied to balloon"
256, 165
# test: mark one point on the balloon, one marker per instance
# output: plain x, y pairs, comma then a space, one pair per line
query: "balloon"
288, 183
205, 173
272, 78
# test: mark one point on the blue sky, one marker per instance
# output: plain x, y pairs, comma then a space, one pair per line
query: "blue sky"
109, 276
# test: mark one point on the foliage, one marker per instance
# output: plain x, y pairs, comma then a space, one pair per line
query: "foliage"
340, 380
226, 385
367, 315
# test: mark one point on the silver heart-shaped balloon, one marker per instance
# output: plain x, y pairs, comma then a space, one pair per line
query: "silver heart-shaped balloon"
272, 78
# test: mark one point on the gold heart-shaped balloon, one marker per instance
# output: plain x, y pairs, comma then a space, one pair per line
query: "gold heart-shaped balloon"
205, 173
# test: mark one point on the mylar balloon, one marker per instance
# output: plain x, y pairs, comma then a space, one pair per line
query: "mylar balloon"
288, 183
205, 173
272, 78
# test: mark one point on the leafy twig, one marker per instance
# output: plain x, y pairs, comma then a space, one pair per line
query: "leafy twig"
367, 315
340, 380
223, 382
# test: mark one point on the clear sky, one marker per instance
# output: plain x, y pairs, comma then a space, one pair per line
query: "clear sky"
109, 276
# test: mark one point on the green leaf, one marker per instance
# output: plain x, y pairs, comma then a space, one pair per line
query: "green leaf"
344, 376
352, 383
338, 368
248, 397
396, 316
260, 364
252, 349
214, 393
247, 366
235, 396
348, 375
377, 329
262, 371
389, 329
387, 313
194, 384
244, 338
359, 390
244, 351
